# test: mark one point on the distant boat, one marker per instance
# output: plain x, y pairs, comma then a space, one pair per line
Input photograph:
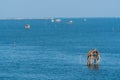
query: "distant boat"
70, 22
52, 20
27, 26
58, 20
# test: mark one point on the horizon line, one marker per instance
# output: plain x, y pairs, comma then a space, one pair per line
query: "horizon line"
53, 18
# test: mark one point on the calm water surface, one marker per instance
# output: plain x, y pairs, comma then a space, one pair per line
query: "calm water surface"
57, 51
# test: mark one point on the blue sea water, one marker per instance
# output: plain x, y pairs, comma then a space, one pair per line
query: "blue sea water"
57, 51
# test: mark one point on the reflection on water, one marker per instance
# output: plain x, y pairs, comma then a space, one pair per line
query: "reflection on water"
93, 67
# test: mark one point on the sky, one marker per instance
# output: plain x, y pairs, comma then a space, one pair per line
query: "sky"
59, 8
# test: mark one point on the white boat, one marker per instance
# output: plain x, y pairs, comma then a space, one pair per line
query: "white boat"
58, 20
27, 26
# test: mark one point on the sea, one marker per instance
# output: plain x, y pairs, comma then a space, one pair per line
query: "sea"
51, 50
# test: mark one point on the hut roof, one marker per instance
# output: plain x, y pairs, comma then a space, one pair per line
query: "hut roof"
92, 52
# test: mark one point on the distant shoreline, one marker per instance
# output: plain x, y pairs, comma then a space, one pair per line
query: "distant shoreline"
54, 18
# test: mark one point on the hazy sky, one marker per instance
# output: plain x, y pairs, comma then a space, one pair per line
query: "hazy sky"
59, 8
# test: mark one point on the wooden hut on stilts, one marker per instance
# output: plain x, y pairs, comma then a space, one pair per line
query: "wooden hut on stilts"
93, 57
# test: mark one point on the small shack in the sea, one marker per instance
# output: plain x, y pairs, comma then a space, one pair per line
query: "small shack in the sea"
93, 57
